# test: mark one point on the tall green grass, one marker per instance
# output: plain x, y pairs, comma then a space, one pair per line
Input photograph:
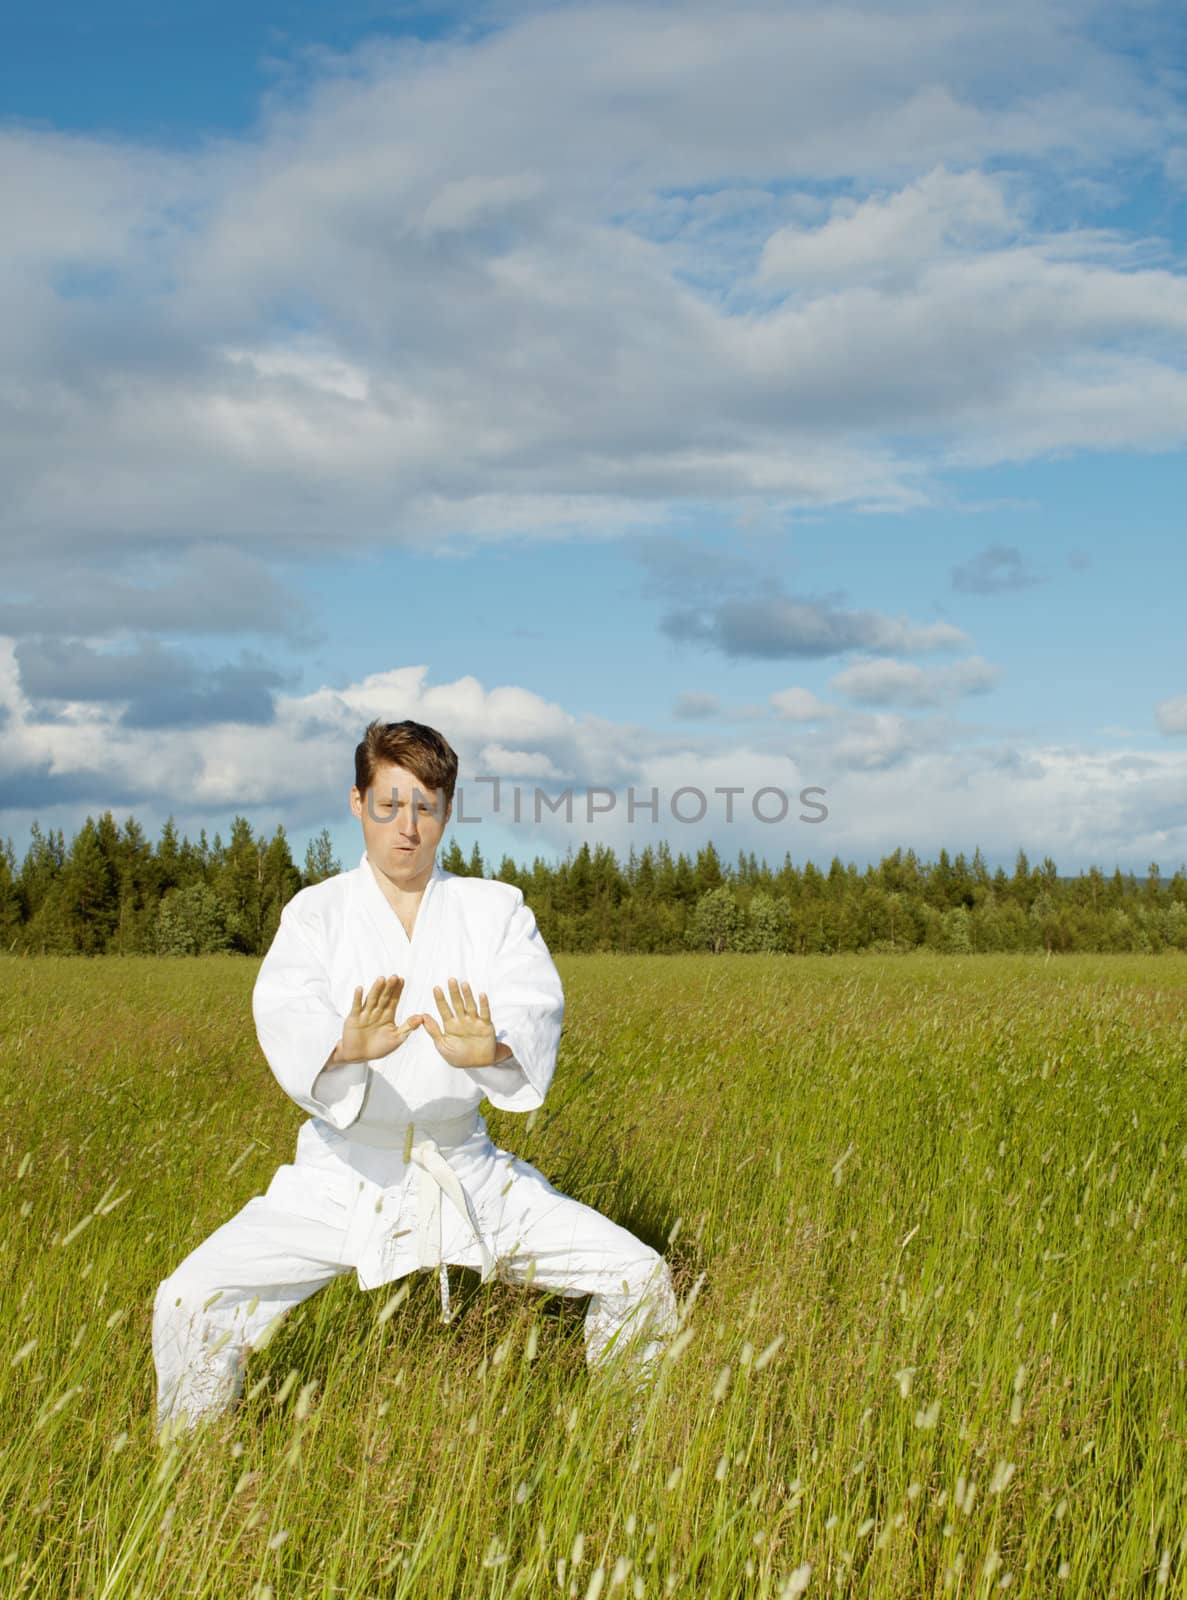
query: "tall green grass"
925, 1214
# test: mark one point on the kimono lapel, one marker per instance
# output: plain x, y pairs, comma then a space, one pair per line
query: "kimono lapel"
399, 950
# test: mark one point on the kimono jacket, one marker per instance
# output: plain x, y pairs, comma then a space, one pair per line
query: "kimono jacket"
388, 1139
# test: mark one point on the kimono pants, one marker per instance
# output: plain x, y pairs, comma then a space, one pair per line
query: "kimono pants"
447, 1195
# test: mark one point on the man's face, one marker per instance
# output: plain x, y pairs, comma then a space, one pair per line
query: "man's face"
401, 825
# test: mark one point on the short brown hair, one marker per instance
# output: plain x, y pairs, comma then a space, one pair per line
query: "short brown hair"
412, 745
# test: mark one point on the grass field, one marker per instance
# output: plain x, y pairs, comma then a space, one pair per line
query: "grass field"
927, 1214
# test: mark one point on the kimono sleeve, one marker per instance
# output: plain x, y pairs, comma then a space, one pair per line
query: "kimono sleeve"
298, 1026
527, 1005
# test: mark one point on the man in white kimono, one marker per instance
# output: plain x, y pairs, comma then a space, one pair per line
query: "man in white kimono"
394, 1169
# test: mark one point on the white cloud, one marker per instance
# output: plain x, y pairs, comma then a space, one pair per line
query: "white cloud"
894, 236
775, 626
694, 705
800, 705
889, 780
1171, 715
889, 682
998, 569
523, 269
498, 762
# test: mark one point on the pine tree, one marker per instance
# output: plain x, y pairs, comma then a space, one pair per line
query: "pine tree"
940, 883
10, 900
1021, 884
707, 873
167, 861
138, 898
88, 892
320, 861
508, 872
453, 860
237, 884
684, 888
279, 882
579, 881
40, 870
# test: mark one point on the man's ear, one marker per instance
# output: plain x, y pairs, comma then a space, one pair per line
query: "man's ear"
356, 800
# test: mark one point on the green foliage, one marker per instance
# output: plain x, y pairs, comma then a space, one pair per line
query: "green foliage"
106, 892
320, 861
716, 921
192, 922
10, 900
767, 924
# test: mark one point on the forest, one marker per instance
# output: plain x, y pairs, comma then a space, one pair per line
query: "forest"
112, 891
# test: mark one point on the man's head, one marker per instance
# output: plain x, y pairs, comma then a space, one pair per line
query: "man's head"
414, 746
405, 775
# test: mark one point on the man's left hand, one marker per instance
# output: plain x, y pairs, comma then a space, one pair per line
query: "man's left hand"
465, 1036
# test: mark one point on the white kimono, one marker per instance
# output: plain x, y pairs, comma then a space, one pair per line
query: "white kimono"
395, 1170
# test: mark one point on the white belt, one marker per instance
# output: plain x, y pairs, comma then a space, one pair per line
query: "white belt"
435, 1178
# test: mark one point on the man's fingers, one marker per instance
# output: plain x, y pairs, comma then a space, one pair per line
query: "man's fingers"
378, 991
442, 1003
457, 993
374, 992
468, 1000
483, 1006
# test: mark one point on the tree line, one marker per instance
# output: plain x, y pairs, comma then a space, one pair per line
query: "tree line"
112, 891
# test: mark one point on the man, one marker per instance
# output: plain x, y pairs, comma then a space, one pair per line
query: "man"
394, 1170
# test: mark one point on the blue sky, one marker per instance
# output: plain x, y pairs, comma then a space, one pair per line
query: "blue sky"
642, 395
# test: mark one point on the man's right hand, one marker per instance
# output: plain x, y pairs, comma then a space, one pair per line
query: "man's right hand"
371, 1030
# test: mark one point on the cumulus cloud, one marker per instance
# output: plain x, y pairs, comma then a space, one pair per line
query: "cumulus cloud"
693, 705
208, 590
153, 686
766, 258
800, 705
998, 569
904, 683
889, 780
1171, 715
778, 627
891, 237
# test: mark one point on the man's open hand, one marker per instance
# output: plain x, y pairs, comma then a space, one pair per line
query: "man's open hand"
371, 1030
465, 1035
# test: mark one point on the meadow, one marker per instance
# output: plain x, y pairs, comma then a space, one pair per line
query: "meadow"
925, 1215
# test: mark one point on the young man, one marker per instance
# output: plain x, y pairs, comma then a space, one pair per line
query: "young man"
394, 1170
